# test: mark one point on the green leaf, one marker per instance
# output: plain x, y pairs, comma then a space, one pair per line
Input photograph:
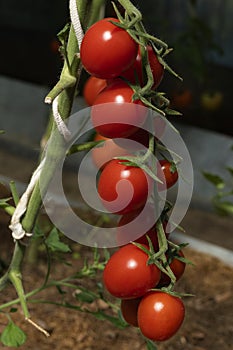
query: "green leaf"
230, 169
63, 34
150, 345
85, 295
54, 243
170, 111
12, 335
2, 132
224, 208
116, 321
216, 180
13, 309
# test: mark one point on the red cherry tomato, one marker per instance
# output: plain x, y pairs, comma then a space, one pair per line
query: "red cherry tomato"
123, 188
177, 266
167, 173
105, 152
92, 88
129, 229
160, 315
127, 274
137, 68
114, 114
107, 50
129, 310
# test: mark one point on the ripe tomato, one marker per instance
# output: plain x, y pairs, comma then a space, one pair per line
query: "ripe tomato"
92, 88
167, 173
160, 315
114, 114
102, 154
137, 68
137, 225
123, 188
127, 275
107, 50
129, 310
177, 266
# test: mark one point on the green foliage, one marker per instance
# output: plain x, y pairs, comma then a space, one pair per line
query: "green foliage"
151, 345
12, 335
222, 200
54, 243
216, 180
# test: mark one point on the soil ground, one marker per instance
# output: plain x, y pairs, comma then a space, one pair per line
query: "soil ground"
208, 323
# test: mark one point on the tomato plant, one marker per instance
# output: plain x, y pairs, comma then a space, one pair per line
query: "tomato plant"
127, 274
167, 172
139, 230
92, 88
136, 71
114, 113
177, 266
110, 53
160, 315
123, 188
107, 50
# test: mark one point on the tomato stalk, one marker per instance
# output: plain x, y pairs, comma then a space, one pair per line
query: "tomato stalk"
65, 88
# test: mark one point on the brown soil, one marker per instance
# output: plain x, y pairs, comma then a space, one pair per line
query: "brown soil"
208, 314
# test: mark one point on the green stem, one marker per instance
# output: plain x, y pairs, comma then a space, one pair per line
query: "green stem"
54, 153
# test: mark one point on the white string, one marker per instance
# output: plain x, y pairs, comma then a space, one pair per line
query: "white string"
62, 128
75, 20
16, 227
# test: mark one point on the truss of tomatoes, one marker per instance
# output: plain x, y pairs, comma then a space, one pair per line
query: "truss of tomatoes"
113, 60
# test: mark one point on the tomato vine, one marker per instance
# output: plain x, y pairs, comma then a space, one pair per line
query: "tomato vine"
25, 223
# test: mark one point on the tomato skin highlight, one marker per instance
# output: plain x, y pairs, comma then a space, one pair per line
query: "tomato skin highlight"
123, 188
127, 275
107, 50
160, 315
113, 105
93, 86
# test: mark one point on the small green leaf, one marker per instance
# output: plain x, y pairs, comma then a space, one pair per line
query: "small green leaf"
224, 208
116, 321
85, 295
150, 345
12, 335
63, 34
13, 309
230, 169
170, 111
216, 180
54, 243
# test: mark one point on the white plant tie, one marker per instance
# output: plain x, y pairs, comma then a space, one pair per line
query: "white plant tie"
75, 20
62, 128
16, 227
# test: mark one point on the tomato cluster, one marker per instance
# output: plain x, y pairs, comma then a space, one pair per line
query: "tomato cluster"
130, 276
114, 61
